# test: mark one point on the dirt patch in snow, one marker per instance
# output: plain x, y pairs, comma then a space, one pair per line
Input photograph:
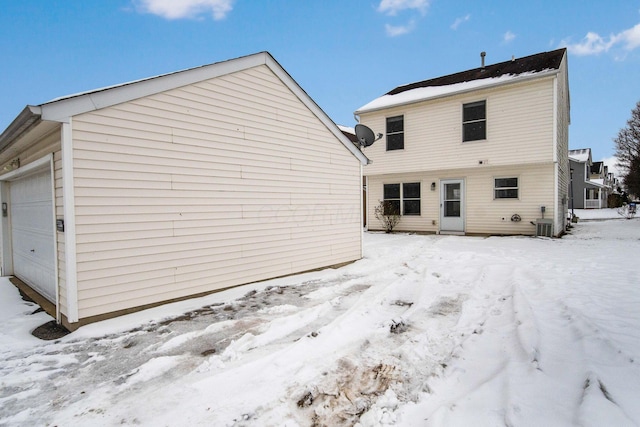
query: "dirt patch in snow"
348, 392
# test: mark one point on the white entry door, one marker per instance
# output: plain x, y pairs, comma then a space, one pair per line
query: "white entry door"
452, 206
32, 233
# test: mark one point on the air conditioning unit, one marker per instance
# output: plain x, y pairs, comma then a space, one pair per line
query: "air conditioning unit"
544, 227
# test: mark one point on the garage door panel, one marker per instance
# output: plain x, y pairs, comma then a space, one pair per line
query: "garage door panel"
32, 232
30, 218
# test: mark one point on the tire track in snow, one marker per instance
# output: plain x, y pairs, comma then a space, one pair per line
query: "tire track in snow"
155, 354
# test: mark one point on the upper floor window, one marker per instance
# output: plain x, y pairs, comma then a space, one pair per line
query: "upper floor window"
395, 133
474, 121
505, 188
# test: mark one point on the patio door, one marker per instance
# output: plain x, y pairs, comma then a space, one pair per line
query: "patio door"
452, 206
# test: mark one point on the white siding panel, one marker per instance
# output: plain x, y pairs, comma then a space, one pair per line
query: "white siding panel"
59, 208
562, 149
209, 186
484, 214
519, 131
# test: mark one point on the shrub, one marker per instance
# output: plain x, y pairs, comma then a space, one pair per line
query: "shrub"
388, 214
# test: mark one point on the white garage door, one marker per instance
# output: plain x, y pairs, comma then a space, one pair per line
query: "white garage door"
32, 232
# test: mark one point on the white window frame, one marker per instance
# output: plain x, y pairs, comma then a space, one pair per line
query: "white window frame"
394, 133
484, 120
496, 188
402, 199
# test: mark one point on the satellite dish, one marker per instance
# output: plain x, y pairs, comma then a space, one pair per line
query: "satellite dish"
365, 136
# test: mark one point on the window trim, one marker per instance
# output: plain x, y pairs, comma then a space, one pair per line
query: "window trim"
483, 120
394, 133
398, 199
496, 188
402, 198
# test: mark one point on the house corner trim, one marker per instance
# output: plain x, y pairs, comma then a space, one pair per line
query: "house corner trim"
68, 195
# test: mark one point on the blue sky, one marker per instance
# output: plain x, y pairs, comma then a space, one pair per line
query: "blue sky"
343, 53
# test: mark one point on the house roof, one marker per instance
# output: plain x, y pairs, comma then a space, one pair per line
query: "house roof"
517, 69
596, 167
349, 132
595, 183
63, 108
582, 155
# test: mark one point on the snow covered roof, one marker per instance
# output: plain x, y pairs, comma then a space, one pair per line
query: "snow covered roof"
598, 183
532, 66
350, 133
349, 129
580, 155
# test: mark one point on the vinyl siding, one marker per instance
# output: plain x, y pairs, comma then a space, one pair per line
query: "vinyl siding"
562, 149
62, 277
579, 184
519, 131
483, 213
216, 184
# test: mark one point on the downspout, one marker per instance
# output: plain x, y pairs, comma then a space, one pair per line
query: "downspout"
68, 197
362, 215
557, 227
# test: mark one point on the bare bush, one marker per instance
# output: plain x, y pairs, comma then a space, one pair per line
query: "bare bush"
388, 214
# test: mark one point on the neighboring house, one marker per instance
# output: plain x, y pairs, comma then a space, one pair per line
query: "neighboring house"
611, 181
600, 175
587, 192
483, 151
175, 186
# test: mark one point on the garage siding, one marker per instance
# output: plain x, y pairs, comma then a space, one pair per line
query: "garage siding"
216, 184
59, 204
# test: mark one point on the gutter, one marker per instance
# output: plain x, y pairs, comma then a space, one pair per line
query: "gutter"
28, 118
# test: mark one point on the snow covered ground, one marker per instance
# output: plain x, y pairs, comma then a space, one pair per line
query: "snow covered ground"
424, 331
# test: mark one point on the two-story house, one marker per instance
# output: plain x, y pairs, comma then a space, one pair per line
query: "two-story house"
589, 189
483, 151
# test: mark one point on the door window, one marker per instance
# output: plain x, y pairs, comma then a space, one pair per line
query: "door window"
452, 195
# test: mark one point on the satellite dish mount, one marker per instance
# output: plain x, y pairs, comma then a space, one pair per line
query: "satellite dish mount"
365, 136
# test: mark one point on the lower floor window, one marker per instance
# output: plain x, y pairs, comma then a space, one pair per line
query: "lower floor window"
593, 193
505, 188
404, 198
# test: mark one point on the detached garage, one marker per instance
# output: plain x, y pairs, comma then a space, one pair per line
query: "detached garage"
174, 186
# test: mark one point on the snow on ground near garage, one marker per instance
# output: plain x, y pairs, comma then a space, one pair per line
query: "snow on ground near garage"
425, 330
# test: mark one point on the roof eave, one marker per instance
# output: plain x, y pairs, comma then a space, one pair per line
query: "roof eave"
28, 118
60, 110
539, 75
595, 184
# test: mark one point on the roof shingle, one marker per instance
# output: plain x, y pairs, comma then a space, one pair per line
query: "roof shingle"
528, 64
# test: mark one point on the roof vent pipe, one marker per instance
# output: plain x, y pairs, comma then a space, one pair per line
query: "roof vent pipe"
482, 55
